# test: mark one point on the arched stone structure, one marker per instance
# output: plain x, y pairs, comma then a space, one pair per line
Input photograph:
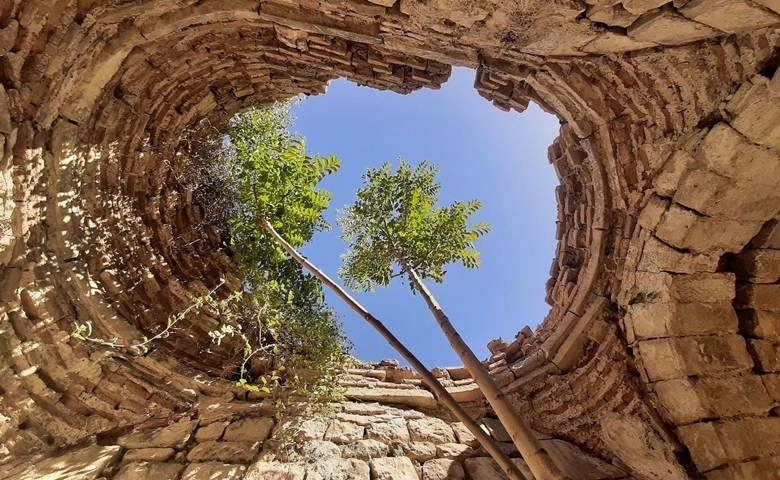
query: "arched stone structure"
661, 350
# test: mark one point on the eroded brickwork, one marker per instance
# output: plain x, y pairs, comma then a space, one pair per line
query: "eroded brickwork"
660, 353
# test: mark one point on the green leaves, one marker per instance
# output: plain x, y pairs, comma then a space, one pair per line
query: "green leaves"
395, 222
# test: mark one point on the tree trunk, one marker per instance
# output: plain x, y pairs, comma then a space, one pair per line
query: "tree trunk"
539, 461
438, 389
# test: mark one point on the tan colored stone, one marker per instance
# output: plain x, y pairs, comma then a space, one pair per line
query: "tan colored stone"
212, 431
344, 432
454, 450
393, 468
764, 263
430, 429
696, 288
364, 449
766, 354
162, 471
228, 452
338, 469
174, 436
685, 229
419, 451
388, 432
760, 324
679, 401
209, 471
658, 320
660, 257
275, 471
495, 429
727, 152
770, 4
669, 358
704, 445
755, 111
758, 297
729, 15
668, 28
443, 469
485, 468
638, 7
463, 435
149, 455
85, 463
249, 430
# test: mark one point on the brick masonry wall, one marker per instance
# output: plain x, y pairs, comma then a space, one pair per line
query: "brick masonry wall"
660, 351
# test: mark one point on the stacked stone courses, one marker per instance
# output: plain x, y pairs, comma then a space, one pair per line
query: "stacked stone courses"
660, 355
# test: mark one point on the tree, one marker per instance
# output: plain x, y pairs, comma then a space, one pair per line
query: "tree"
394, 229
281, 319
280, 201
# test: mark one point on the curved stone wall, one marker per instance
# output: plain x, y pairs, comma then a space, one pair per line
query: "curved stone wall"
660, 351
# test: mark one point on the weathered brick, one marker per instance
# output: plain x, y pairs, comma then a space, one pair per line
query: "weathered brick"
756, 112
729, 15
758, 297
748, 438
727, 152
704, 444
668, 28
763, 263
766, 355
685, 229
696, 288
760, 324
669, 358
657, 320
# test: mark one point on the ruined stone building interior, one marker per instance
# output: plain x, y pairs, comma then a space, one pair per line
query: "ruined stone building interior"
660, 355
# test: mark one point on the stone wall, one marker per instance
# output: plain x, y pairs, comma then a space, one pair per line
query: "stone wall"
660, 351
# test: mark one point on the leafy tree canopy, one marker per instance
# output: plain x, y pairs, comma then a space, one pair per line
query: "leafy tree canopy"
395, 223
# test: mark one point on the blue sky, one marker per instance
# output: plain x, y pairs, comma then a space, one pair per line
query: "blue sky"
497, 157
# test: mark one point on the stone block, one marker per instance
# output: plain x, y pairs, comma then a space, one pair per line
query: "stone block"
221, 471
388, 432
574, 463
161, 471
344, 432
758, 297
443, 469
729, 15
679, 401
83, 463
755, 112
715, 195
419, 451
768, 236
666, 181
687, 230
658, 320
760, 324
704, 445
318, 449
668, 358
749, 438
495, 429
393, 468
228, 452
249, 430
275, 471
660, 257
614, 15
174, 436
764, 469
697, 288
149, 455
309, 429
728, 153
364, 449
766, 355
668, 28
688, 400
638, 7
485, 468
430, 429
772, 384
338, 469
454, 450
463, 435
762, 263
773, 5
212, 431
